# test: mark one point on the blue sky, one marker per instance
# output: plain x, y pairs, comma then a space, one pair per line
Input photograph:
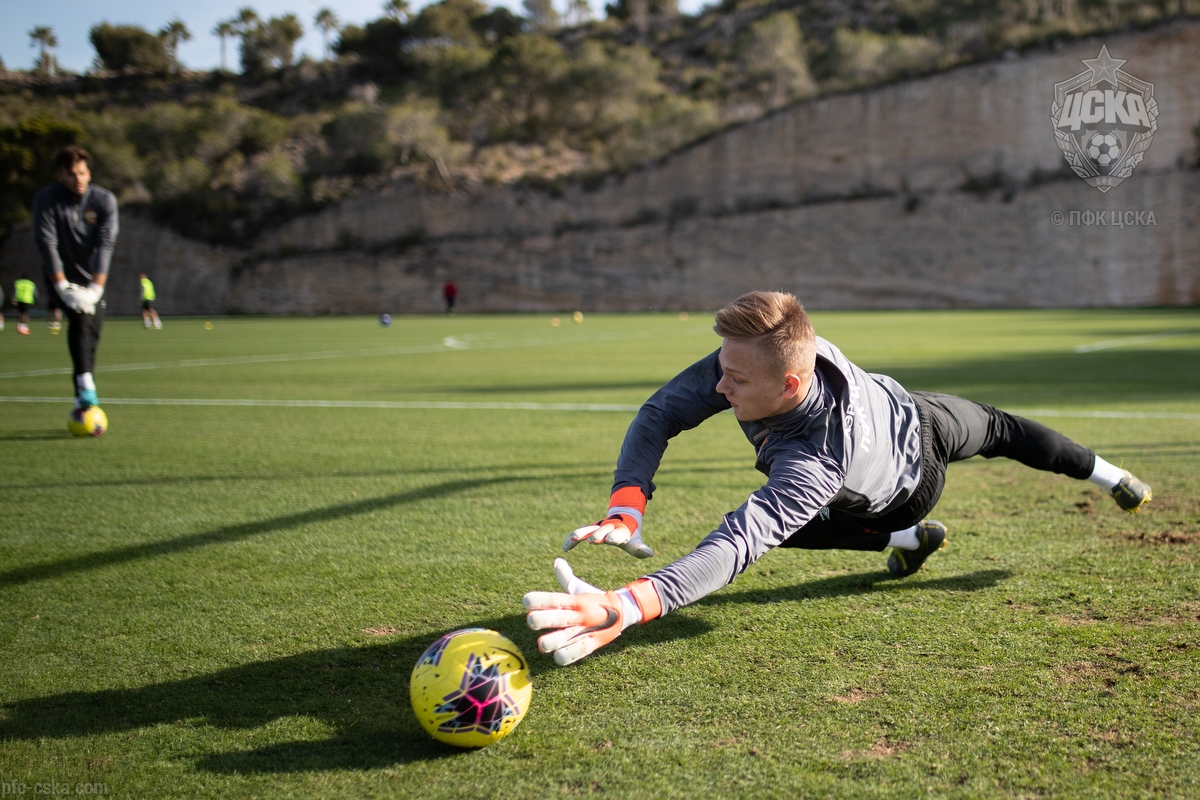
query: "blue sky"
72, 19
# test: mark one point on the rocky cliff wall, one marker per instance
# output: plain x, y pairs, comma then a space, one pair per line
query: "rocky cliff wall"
937, 192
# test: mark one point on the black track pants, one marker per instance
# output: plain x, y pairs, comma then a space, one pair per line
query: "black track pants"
952, 429
83, 334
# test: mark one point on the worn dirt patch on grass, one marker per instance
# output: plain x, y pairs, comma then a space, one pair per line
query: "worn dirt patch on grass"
880, 750
1162, 537
386, 631
855, 695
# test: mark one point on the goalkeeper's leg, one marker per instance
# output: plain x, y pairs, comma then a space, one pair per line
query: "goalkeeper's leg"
968, 429
83, 337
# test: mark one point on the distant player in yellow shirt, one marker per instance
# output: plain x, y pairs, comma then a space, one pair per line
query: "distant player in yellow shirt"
149, 315
24, 296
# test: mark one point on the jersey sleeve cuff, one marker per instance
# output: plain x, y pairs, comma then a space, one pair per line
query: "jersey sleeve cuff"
646, 597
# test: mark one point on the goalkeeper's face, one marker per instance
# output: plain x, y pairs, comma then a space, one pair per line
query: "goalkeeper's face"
755, 387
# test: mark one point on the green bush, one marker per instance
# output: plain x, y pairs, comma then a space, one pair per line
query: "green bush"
603, 90
526, 70
380, 46
27, 150
771, 55
666, 125
864, 56
450, 22
274, 177
270, 45
121, 47
364, 139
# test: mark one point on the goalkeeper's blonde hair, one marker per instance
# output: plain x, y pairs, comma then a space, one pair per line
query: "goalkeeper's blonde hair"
777, 325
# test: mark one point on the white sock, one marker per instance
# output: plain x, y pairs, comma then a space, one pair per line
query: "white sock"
85, 381
905, 539
1105, 474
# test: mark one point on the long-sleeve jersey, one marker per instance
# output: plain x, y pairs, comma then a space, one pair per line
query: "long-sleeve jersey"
854, 444
75, 235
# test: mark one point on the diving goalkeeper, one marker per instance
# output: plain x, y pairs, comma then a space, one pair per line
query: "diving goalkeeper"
853, 462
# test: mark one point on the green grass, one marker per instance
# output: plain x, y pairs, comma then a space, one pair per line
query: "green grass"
215, 601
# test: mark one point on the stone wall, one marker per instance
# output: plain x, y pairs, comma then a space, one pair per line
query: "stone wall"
938, 192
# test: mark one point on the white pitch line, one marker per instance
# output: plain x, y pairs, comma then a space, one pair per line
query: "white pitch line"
1150, 337
448, 345
395, 404
519, 406
213, 362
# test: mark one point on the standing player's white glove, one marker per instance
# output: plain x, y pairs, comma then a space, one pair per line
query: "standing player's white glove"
89, 297
587, 618
69, 293
622, 527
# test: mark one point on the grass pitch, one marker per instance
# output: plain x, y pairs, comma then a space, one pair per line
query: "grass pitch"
228, 600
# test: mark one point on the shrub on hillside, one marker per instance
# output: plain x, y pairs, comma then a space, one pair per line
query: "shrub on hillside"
662, 127
270, 45
604, 89
771, 55
862, 57
128, 47
27, 150
364, 139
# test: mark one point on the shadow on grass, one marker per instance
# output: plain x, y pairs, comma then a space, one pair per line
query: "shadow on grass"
233, 533
45, 434
861, 583
1086, 380
575, 469
359, 691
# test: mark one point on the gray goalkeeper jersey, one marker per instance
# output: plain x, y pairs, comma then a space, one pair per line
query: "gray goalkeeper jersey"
75, 235
853, 444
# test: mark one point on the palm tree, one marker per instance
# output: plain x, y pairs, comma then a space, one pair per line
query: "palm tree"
223, 31
579, 10
327, 21
245, 21
43, 36
174, 33
396, 9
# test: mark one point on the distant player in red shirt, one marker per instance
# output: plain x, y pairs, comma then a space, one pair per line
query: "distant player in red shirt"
450, 292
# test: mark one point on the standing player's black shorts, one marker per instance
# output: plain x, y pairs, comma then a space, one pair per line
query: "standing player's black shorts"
22, 308
145, 305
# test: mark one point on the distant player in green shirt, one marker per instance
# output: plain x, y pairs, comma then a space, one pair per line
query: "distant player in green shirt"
149, 315
24, 295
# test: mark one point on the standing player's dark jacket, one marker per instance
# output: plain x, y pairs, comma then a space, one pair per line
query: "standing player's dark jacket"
75, 235
853, 444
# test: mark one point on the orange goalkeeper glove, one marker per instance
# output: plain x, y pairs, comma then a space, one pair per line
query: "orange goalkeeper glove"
587, 618
622, 527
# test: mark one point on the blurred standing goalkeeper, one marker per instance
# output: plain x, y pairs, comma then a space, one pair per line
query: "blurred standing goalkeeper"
75, 228
853, 462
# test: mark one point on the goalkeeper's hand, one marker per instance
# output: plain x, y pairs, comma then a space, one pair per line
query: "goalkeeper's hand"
70, 293
622, 527
587, 618
89, 297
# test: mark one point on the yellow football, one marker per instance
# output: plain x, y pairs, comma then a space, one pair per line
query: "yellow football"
470, 688
90, 421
